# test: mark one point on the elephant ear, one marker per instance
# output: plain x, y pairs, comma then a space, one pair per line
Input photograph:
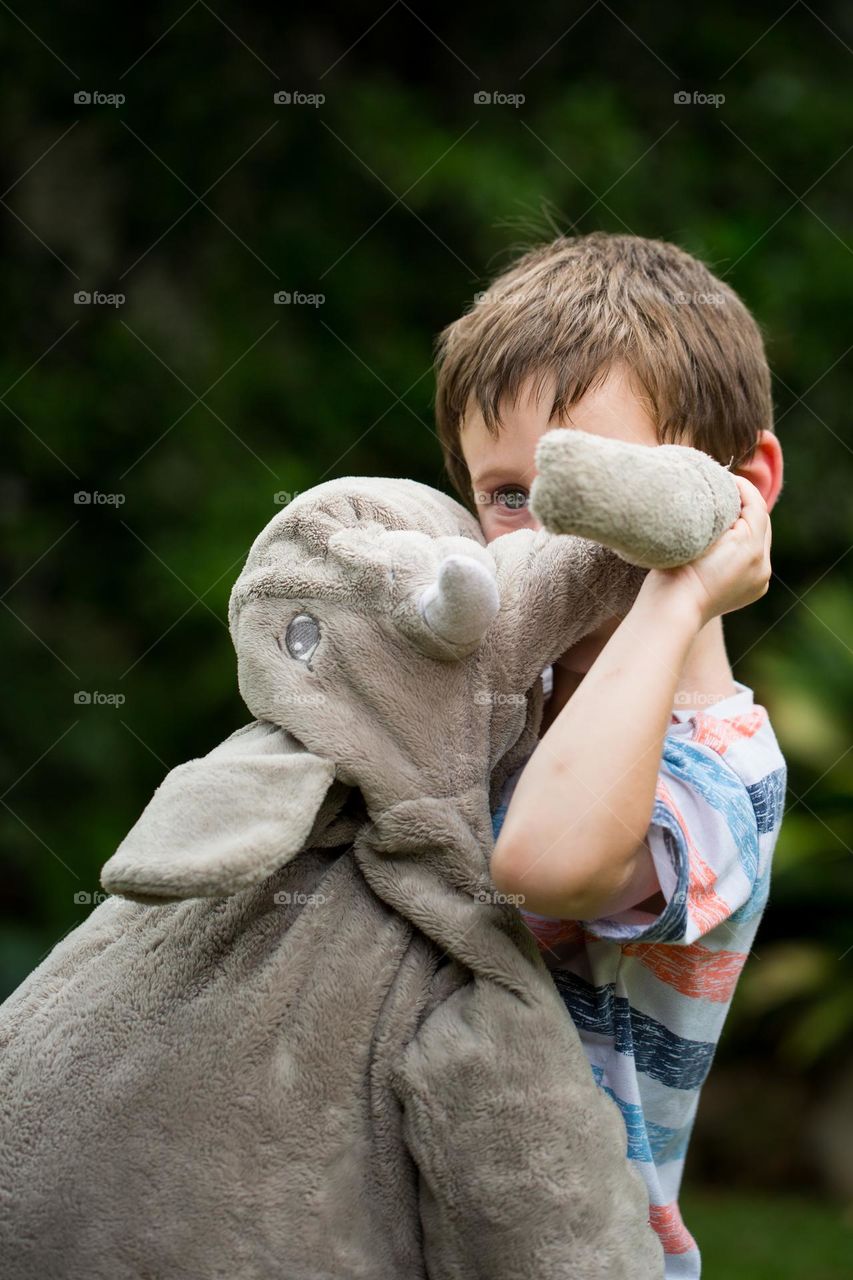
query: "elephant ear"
655, 507
226, 821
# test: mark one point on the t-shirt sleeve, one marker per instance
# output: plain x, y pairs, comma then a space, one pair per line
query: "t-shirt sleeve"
704, 840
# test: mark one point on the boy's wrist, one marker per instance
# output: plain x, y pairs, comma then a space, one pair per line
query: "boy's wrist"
668, 599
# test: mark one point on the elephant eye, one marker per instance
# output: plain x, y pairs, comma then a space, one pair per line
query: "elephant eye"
302, 636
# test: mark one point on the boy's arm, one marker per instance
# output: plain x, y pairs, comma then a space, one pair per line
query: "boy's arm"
572, 843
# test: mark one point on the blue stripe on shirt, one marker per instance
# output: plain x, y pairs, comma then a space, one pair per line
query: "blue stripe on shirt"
647, 1141
658, 1052
768, 799
722, 790
756, 902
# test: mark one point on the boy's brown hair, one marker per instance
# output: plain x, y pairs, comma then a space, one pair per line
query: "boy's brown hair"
576, 306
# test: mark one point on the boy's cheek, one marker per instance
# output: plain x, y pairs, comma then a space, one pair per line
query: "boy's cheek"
496, 520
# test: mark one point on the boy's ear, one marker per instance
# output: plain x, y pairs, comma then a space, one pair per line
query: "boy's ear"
224, 822
765, 468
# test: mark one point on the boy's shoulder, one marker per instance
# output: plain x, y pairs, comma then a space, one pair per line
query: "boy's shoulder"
718, 809
719, 804
735, 736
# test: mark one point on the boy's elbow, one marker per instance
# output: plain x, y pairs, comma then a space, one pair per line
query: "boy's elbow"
503, 866
511, 862
521, 882
578, 892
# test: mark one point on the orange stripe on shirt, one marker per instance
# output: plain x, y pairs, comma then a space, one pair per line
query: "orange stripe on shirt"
705, 907
693, 970
703, 904
674, 1236
720, 734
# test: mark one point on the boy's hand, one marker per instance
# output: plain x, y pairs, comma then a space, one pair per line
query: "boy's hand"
733, 573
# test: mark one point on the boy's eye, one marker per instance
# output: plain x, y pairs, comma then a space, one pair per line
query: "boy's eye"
511, 496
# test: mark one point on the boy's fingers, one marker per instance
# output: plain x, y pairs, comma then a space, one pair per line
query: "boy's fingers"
753, 507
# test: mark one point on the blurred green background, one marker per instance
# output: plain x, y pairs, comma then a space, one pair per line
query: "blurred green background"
190, 408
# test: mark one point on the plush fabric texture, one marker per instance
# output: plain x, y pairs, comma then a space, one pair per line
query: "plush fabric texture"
680, 498
304, 1038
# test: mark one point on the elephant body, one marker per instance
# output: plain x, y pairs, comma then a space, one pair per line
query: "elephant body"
303, 1039
252, 1088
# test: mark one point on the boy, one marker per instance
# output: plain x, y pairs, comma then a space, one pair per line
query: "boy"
639, 833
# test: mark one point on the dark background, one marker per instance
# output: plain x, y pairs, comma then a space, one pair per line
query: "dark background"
199, 401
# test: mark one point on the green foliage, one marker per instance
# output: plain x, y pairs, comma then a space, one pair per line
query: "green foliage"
768, 1238
796, 991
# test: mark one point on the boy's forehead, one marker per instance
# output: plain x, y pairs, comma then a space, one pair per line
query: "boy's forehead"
508, 454
614, 407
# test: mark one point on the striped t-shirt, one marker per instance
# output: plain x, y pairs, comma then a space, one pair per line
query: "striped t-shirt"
649, 994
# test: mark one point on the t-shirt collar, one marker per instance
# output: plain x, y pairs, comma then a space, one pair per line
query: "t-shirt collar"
736, 704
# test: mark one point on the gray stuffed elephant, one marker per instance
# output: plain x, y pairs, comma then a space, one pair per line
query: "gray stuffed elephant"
303, 1038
